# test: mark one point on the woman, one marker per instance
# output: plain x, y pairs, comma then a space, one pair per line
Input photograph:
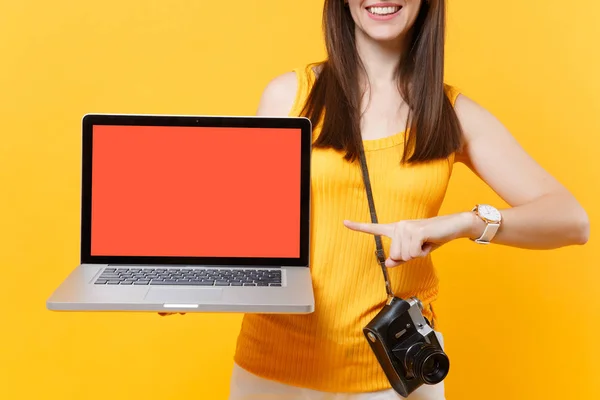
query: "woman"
383, 84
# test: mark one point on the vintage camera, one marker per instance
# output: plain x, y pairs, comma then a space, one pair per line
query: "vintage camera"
406, 346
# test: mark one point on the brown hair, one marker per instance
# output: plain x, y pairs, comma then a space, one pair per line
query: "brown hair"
336, 88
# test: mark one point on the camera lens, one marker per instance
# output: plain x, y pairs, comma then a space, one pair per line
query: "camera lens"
431, 365
435, 368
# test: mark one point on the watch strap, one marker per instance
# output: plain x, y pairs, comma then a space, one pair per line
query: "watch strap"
488, 233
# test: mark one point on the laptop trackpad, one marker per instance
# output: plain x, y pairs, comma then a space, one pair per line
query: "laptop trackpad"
183, 295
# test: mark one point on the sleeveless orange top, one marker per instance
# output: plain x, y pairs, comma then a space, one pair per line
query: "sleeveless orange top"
326, 350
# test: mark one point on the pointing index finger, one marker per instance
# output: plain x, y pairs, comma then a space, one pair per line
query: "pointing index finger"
375, 229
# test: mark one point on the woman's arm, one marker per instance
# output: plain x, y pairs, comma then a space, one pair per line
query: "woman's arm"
542, 213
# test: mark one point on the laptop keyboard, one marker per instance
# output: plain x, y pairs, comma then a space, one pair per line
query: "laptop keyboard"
189, 277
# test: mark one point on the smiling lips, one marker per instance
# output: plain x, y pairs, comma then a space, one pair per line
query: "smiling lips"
383, 11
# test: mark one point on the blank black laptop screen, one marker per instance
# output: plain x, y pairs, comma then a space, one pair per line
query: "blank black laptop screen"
176, 191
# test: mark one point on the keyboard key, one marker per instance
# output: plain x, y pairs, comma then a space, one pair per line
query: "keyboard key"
110, 275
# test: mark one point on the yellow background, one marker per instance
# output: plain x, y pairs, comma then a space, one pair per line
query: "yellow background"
518, 324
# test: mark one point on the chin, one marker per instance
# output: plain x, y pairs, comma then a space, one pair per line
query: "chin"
384, 35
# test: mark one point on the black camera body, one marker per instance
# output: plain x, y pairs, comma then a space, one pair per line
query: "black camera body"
406, 346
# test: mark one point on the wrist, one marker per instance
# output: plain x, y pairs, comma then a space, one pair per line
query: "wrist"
473, 226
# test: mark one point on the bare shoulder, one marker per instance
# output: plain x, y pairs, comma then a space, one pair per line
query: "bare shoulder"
494, 154
472, 115
479, 125
279, 95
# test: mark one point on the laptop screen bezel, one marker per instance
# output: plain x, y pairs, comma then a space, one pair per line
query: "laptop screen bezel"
91, 120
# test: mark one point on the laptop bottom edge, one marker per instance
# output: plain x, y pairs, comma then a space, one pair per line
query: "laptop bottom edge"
82, 291
181, 308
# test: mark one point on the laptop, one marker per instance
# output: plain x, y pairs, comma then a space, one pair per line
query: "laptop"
192, 214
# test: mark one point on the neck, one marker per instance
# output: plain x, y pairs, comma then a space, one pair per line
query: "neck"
380, 59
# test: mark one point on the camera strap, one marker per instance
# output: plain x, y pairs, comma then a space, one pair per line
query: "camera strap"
379, 253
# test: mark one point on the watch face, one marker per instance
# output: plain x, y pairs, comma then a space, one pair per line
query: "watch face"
489, 212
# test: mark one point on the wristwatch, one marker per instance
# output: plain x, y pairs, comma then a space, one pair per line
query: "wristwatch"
492, 217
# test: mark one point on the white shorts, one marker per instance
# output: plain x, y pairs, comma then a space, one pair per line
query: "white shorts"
247, 386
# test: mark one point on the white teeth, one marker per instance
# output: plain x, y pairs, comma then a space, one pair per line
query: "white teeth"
383, 10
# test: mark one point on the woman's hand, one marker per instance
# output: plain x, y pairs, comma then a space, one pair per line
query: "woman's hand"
417, 238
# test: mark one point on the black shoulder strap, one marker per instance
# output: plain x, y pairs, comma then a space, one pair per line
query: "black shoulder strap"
379, 252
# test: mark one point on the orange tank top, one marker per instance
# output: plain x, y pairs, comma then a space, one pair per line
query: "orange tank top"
326, 350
